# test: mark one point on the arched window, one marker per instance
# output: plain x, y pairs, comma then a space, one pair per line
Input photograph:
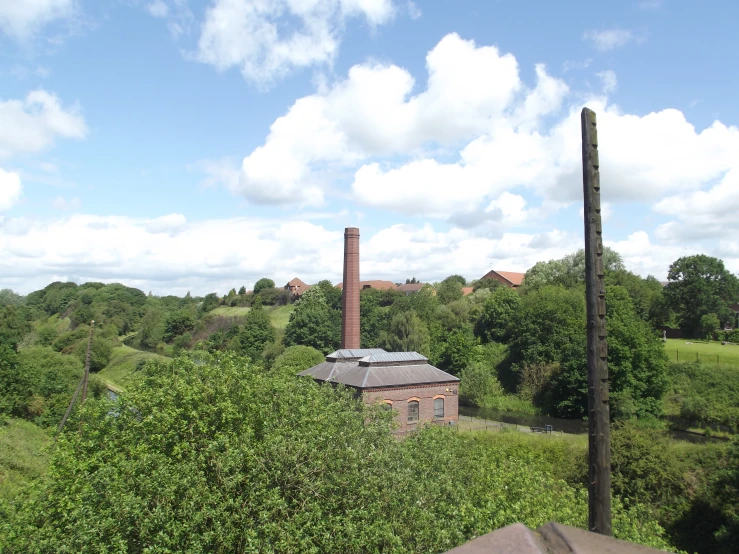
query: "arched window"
413, 411
438, 408
387, 405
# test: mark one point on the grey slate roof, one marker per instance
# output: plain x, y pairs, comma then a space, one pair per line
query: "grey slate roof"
379, 369
391, 357
352, 353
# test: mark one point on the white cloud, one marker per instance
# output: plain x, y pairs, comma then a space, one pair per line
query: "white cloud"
167, 254
20, 19
255, 35
609, 39
372, 113
10, 189
608, 80
414, 12
401, 146
61, 203
32, 124
158, 8
703, 214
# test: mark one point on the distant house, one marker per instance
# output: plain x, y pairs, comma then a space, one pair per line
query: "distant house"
402, 381
296, 287
510, 279
379, 285
467, 290
411, 288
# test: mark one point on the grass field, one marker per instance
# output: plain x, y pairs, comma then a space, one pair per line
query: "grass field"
281, 315
121, 370
707, 352
23, 455
227, 311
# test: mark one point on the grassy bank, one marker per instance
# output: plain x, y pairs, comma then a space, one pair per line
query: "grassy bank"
279, 315
24, 455
123, 368
705, 352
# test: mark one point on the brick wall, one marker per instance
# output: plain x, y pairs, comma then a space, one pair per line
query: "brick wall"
425, 395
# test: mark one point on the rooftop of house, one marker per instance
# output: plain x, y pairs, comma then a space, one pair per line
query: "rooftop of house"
467, 290
411, 287
377, 369
295, 282
375, 284
513, 277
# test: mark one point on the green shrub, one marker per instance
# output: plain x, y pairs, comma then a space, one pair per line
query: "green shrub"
225, 457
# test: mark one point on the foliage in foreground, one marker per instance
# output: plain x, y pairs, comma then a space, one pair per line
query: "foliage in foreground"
224, 457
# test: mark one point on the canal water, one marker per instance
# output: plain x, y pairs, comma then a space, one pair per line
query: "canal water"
570, 426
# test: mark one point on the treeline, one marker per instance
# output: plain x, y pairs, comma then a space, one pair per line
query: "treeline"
522, 349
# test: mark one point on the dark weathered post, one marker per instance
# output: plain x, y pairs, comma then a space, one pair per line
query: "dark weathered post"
87, 364
599, 482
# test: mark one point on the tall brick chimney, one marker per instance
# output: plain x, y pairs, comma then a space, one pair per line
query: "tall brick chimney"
350, 295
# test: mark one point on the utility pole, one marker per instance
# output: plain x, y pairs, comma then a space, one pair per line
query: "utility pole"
599, 424
82, 386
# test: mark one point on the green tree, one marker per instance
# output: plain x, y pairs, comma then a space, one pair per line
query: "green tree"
568, 271
314, 323
498, 311
456, 352
178, 323
700, 285
262, 284
100, 352
10, 298
256, 333
242, 290
151, 328
14, 325
296, 359
53, 377
708, 324
407, 333
210, 302
449, 290
636, 362
16, 387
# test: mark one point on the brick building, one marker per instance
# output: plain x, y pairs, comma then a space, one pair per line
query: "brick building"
510, 279
296, 287
403, 381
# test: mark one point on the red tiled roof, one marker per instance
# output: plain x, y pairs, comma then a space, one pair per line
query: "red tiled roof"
512, 277
295, 282
467, 290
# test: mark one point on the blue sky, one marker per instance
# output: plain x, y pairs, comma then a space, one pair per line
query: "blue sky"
178, 145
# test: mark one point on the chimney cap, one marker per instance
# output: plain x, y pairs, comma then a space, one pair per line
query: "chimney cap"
352, 231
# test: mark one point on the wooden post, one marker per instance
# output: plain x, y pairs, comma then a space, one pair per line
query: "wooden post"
87, 364
599, 430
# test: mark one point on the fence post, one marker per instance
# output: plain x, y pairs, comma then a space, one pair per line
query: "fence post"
696, 357
677, 355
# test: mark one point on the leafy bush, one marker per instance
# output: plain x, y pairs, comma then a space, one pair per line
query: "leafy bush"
224, 457
705, 394
296, 359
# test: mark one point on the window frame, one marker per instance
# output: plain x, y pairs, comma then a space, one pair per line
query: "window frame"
443, 407
417, 410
